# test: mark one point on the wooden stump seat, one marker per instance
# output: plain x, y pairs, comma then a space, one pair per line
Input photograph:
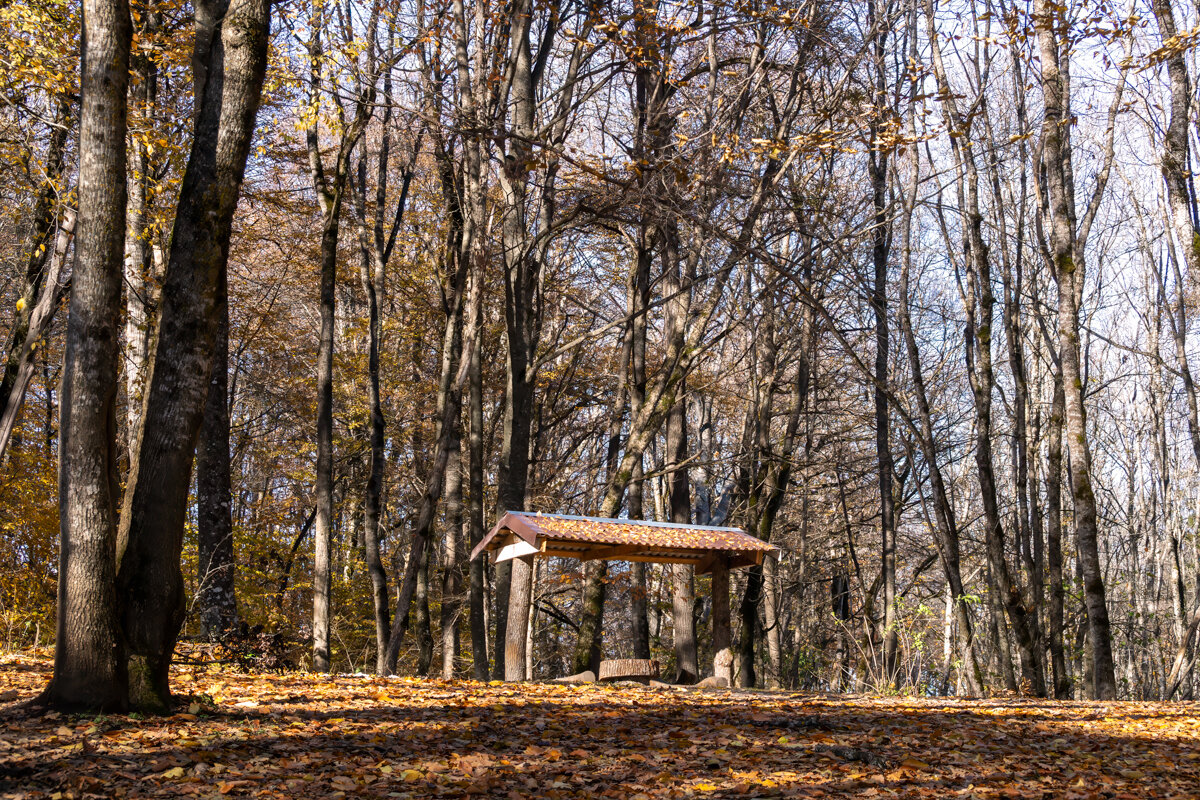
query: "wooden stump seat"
629, 669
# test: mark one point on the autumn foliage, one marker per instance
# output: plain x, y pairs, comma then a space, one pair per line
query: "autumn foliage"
299, 735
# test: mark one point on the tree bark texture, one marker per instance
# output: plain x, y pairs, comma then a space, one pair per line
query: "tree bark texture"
230, 62
89, 658
214, 514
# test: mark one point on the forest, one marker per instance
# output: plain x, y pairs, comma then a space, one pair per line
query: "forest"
300, 297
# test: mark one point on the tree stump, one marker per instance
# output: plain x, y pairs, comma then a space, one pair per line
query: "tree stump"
629, 669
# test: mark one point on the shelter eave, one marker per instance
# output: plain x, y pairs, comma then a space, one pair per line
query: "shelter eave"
518, 536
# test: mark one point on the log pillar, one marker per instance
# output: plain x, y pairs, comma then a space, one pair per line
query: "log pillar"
515, 636
722, 651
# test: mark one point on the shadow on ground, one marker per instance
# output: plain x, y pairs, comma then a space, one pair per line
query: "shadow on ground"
303, 735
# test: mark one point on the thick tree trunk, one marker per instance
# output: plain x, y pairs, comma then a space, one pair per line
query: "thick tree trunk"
683, 624
773, 620
751, 627
89, 664
589, 644
721, 636
214, 516
230, 60
522, 319
517, 641
501, 594
1002, 650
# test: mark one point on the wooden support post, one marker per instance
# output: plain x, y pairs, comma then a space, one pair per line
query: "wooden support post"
722, 651
519, 594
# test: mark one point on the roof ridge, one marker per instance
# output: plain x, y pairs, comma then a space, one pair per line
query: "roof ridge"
626, 521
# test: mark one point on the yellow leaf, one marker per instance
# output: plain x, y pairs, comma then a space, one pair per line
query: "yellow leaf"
174, 772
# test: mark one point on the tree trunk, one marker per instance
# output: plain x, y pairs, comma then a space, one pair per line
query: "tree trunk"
422, 627
684, 597
639, 623
881, 237
41, 293
721, 638
1182, 216
89, 665
139, 304
373, 263
479, 641
214, 517
330, 188
452, 561
1054, 557
22, 361
517, 640
230, 60
1000, 645
453, 373
751, 627
773, 620
323, 489
637, 302
1067, 246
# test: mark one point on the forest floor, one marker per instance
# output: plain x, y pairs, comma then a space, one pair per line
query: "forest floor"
304, 735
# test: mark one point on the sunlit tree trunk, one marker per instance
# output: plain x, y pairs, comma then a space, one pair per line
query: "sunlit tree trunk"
139, 248
89, 664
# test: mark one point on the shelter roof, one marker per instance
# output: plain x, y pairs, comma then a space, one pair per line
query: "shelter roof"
521, 534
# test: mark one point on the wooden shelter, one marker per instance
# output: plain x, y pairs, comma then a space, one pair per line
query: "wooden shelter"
528, 535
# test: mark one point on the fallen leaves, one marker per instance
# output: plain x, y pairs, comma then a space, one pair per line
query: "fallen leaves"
304, 735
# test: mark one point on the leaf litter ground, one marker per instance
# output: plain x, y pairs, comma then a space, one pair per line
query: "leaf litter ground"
304, 735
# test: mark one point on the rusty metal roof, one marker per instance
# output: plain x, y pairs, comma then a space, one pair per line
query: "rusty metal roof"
527, 534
